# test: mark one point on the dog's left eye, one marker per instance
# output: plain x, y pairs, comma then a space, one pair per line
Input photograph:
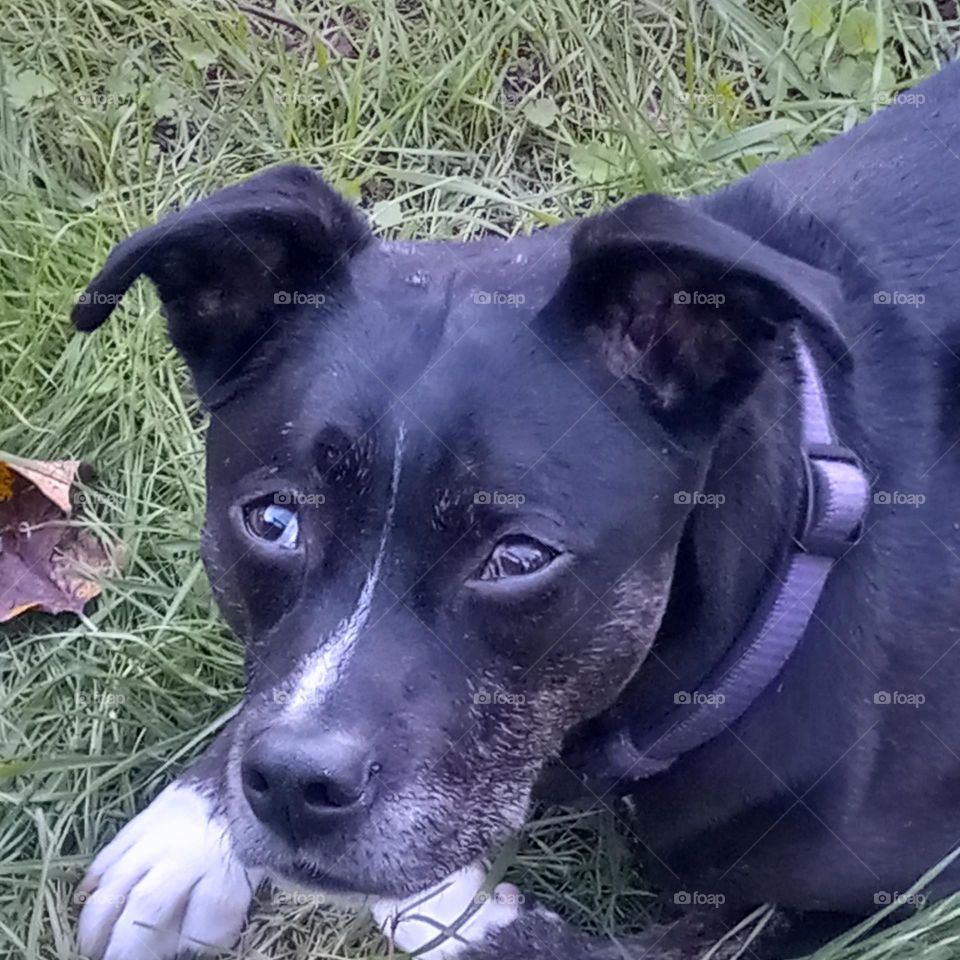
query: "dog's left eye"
277, 523
517, 556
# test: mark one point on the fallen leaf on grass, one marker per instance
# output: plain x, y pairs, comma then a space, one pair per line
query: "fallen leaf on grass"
45, 563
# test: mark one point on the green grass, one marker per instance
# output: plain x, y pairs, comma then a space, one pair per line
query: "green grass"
442, 119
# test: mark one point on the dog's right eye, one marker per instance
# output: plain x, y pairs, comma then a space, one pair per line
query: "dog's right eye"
273, 520
517, 556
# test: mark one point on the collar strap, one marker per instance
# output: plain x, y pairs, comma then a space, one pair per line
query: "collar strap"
836, 492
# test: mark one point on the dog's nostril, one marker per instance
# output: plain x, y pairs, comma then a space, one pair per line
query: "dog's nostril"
331, 793
316, 794
254, 780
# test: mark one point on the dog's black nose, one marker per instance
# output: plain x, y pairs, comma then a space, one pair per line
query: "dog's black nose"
300, 785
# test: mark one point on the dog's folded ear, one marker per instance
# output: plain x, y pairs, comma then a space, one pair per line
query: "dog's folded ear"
229, 267
686, 306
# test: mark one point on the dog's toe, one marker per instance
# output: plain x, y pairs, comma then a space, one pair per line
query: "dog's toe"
169, 884
217, 911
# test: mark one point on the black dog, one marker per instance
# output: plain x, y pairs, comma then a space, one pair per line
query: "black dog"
553, 515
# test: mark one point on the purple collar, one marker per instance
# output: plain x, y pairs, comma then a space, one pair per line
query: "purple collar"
836, 496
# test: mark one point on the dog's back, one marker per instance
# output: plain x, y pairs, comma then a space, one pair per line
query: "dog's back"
860, 200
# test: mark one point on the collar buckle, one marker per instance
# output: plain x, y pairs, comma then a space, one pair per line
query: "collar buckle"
837, 492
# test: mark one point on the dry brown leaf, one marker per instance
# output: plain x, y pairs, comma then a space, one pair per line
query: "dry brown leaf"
45, 563
53, 478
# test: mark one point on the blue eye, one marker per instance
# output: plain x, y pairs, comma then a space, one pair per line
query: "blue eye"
265, 519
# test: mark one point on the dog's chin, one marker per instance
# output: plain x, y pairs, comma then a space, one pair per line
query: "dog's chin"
308, 878
341, 888
362, 868
362, 872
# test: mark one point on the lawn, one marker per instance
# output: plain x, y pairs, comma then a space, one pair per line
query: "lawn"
440, 119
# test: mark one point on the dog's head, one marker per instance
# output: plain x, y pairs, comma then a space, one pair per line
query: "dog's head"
444, 493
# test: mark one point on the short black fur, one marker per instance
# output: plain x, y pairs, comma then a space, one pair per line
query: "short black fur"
435, 401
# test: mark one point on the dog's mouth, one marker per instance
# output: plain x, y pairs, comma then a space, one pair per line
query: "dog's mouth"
340, 888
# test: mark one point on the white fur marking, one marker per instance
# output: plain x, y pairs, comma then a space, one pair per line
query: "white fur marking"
457, 904
322, 670
168, 882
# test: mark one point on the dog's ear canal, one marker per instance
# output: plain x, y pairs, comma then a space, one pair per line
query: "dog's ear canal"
228, 268
685, 306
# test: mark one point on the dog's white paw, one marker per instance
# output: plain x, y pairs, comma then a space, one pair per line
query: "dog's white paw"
168, 883
451, 916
